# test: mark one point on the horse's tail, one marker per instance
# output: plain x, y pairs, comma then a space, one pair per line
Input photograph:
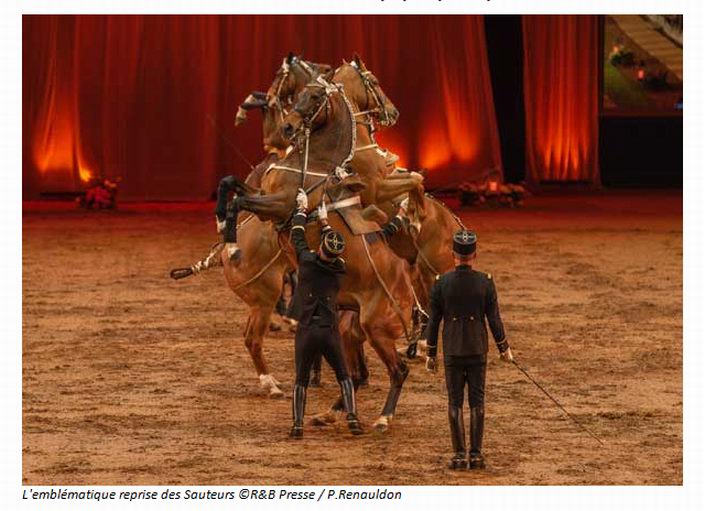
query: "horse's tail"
212, 260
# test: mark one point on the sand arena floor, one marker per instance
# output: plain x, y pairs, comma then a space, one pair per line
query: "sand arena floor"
131, 378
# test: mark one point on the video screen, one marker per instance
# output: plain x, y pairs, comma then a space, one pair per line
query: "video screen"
643, 64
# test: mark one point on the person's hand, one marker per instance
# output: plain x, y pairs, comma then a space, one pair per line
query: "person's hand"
302, 199
322, 212
507, 356
431, 364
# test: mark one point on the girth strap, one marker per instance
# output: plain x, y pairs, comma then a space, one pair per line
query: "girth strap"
394, 303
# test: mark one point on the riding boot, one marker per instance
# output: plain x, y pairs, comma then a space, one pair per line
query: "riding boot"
230, 236
456, 418
299, 409
476, 434
347, 388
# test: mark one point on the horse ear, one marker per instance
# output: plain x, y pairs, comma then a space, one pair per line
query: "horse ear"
358, 60
290, 57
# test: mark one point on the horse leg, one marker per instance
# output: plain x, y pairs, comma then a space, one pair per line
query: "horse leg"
381, 334
389, 189
257, 325
266, 207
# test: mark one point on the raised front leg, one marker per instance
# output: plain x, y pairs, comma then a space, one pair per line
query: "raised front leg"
393, 186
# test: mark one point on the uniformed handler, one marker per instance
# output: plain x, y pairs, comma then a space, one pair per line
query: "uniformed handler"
461, 299
319, 275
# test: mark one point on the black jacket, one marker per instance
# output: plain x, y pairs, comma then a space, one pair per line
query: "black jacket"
318, 280
462, 299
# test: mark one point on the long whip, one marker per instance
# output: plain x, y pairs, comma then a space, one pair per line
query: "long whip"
232, 146
582, 426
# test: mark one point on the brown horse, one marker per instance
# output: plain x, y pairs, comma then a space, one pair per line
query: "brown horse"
373, 273
290, 79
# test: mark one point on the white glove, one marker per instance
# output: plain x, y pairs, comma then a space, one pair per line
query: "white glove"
431, 364
302, 199
403, 211
507, 356
322, 211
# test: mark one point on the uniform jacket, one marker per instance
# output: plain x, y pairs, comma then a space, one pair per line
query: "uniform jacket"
318, 280
464, 300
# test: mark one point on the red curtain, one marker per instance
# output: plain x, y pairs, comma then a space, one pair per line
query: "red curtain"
561, 73
152, 98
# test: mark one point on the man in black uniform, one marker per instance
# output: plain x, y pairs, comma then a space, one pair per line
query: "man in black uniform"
461, 299
319, 275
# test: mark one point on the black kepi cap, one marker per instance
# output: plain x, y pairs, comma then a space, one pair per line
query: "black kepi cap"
333, 244
464, 243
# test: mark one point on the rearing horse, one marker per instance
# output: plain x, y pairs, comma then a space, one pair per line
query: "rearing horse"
326, 145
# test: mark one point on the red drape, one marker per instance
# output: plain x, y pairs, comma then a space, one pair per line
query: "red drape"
152, 98
561, 73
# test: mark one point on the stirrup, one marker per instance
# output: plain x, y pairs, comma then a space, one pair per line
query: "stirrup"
476, 461
296, 432
458, 462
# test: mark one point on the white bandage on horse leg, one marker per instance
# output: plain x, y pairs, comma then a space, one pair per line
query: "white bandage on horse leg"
219, 225
270, 384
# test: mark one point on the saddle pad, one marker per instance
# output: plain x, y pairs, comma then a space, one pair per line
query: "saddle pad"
352, 215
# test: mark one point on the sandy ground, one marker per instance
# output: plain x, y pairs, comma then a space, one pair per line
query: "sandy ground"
131, 378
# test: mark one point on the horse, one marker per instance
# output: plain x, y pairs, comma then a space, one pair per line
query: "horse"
375, 284
258, 279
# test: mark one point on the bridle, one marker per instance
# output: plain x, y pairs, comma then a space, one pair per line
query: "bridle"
304, 131
285, 71
371, 89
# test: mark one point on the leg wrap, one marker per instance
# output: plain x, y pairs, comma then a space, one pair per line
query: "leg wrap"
226, 185
231, 222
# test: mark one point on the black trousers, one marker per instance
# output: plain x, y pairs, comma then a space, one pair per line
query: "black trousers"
312, 340
461, 372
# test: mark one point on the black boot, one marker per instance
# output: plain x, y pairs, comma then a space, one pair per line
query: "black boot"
299, 410
476, 434
350, 405
459, 460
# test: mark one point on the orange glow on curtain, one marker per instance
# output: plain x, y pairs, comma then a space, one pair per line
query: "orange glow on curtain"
152, 99
561, 72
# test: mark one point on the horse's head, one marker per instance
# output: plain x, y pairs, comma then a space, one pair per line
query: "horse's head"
363, 89
291, 78
310, 109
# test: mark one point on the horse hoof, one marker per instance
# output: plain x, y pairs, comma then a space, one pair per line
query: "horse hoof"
276, 393
268, 382
382, 424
